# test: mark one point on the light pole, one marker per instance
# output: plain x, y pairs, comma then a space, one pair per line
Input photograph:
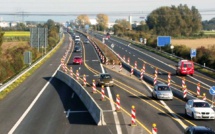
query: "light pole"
172, 47
42, 50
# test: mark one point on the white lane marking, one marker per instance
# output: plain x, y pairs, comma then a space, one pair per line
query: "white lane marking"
72, 95
199, 81
173, 114
134, 55
170, 111
162, 62
67, 113
108, 111
172, 81
95, 60
126, 50
32, 104
116, 118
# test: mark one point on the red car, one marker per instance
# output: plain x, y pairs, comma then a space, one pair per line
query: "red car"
185, 67
77, 60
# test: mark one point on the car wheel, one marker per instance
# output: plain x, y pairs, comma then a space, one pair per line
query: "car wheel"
185, 112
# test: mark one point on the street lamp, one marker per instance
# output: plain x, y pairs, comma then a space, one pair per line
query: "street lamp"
172, 47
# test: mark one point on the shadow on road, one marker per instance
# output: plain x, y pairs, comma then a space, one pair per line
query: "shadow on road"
74, 109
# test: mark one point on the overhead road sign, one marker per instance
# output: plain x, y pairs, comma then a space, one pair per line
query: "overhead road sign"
163, 41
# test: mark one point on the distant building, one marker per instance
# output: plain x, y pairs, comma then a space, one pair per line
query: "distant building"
4, 24
130, 19
93, 21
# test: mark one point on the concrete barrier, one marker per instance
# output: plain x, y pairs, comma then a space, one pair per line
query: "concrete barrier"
95, 111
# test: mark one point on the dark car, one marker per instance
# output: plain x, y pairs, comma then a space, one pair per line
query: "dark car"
77, 48
105, 79
198, 130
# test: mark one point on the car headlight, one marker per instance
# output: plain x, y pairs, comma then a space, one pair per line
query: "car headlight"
111, 81
197, 112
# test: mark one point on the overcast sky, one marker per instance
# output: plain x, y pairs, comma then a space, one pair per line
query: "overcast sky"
205, 7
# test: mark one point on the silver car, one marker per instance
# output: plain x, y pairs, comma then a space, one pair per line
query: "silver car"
162, 91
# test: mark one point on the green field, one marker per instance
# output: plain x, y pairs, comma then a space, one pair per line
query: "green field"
16, 33
209, 32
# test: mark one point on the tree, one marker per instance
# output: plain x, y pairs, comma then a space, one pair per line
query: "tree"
123, 23
1, 40
174, 21
83, 20
102, 20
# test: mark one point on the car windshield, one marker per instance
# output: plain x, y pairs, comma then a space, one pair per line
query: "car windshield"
201, 104
105, 76
204, 132
77, 58
163, 88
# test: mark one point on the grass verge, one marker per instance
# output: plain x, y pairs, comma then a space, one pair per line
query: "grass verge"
29, 73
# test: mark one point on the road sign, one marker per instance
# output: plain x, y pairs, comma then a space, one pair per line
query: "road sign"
112, 45
163, 41
141, 40
212, 90
193, 53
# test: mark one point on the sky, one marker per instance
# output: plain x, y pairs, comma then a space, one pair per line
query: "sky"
115, 9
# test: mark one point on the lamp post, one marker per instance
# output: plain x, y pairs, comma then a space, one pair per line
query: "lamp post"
42, 50
172, 47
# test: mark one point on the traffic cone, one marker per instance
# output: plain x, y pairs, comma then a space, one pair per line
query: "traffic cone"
183, 82
132, 71
144, 68
204, 97
71, 72
169, 79
154, 129
135, 64
155, 79
133, 116
103, 93
141, 74
94, 87
185, 92
118, 103
113, 65
128, 60
84, 80
120, 67
198, 90
77, 75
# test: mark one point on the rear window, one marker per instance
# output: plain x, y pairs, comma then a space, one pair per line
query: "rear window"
77, 58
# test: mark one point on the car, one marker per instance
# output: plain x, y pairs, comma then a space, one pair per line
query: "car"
198, 130
162, 91
185, 67
105, 79
199, 109
77, 38
77, 60
77, 48
86, 41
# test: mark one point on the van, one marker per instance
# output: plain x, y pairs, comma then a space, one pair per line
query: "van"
185, 67
77, 38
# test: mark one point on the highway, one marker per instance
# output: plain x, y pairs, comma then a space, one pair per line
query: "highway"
59, 110
164, 66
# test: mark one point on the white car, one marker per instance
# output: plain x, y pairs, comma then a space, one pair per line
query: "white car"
199, 109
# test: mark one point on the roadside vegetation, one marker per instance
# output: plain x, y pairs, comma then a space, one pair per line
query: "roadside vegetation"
13, 45
182, 23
